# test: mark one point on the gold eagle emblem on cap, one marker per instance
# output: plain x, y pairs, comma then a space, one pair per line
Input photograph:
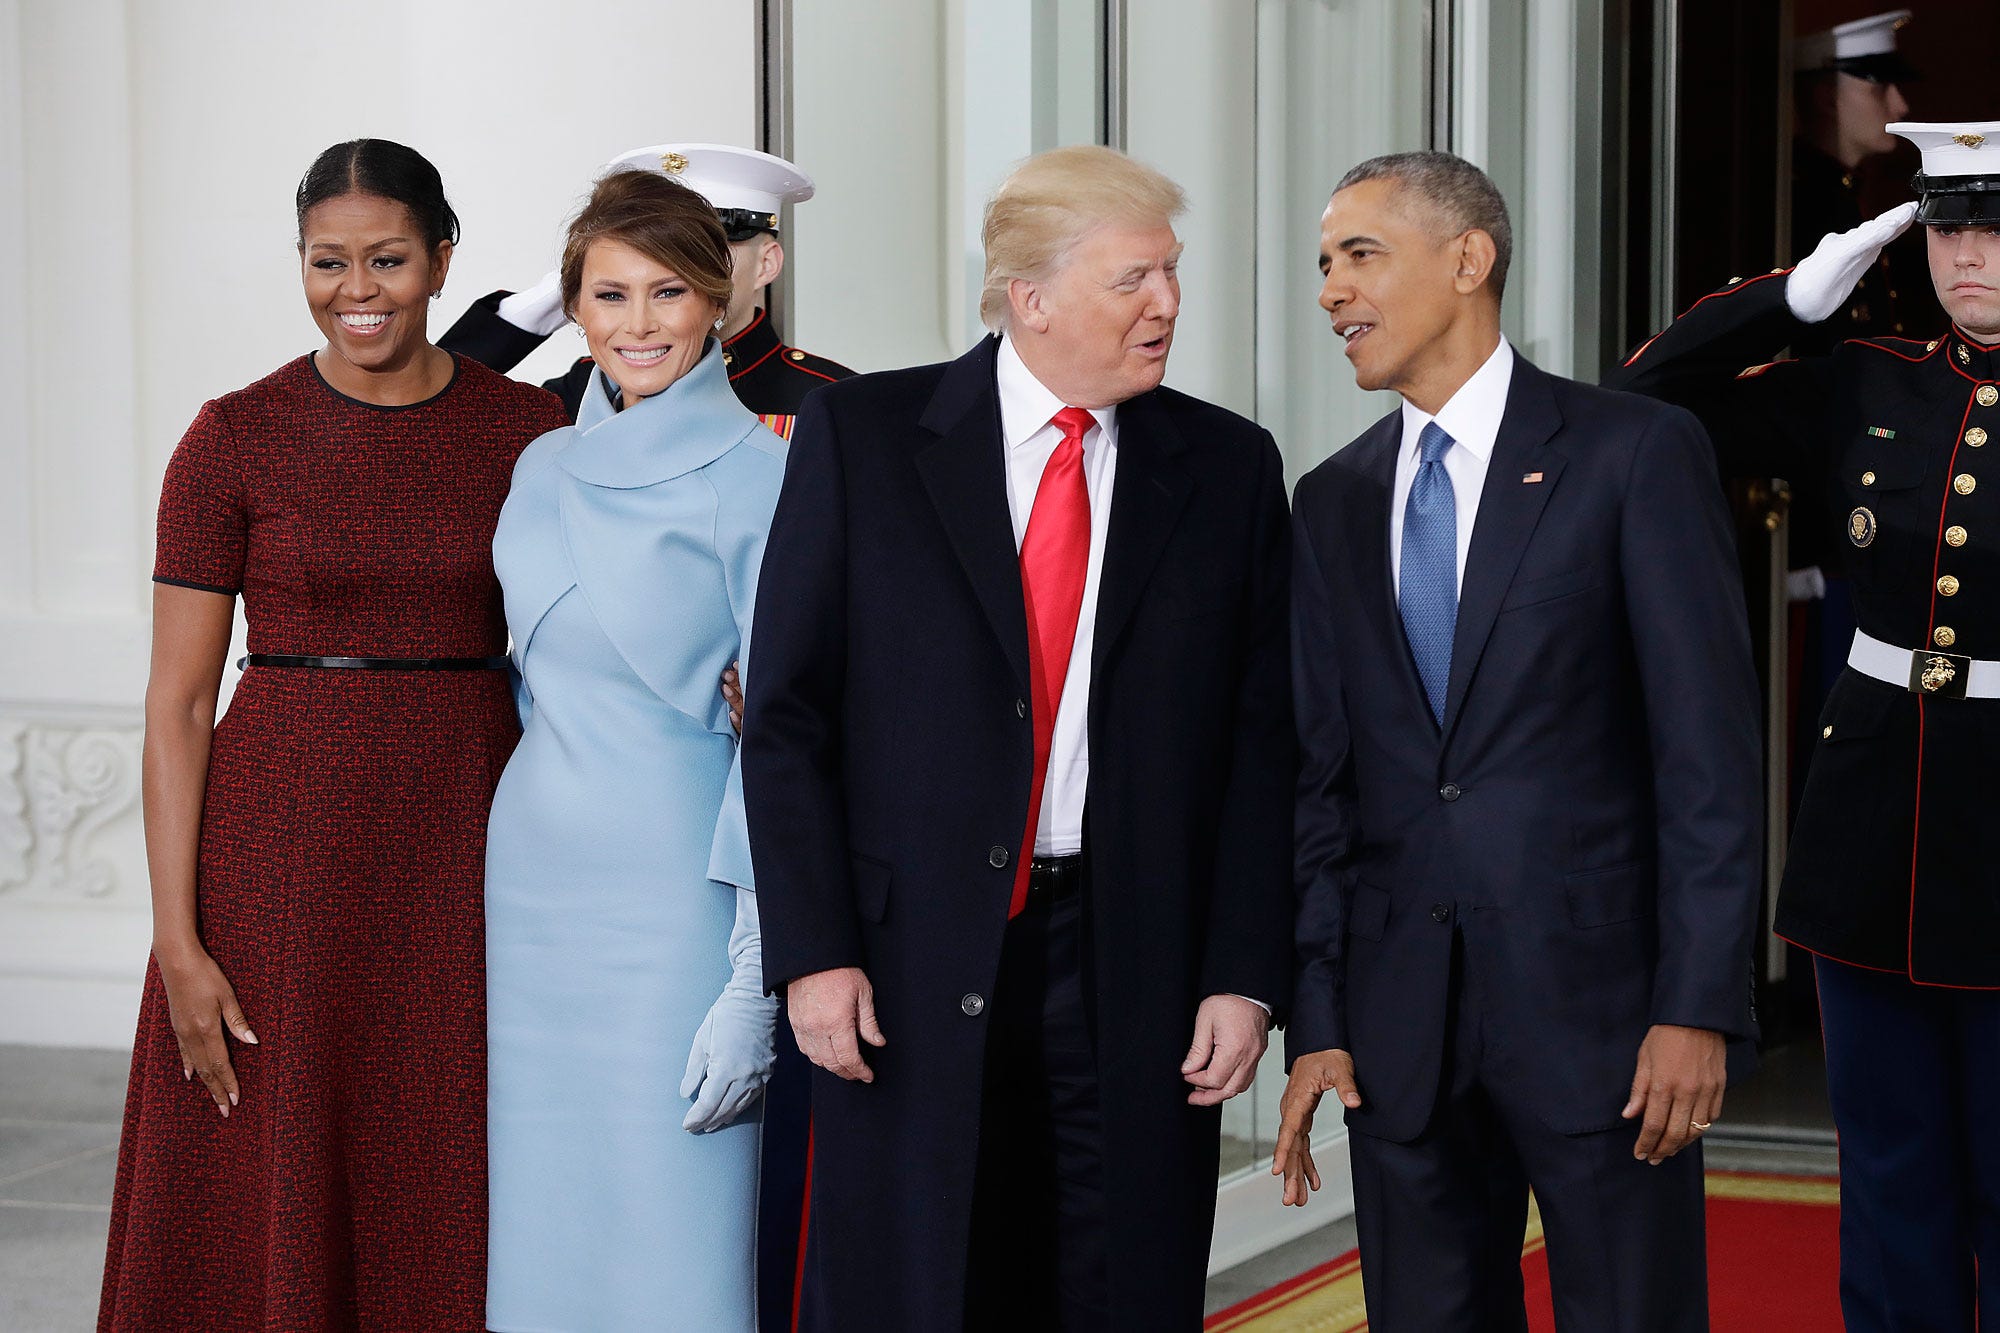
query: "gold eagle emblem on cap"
673, 163
1969, 140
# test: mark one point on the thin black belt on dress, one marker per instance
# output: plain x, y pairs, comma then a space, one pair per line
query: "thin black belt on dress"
375, 663
1055, 876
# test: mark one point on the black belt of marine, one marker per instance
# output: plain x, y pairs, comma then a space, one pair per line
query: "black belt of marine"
1055, 876
375, 663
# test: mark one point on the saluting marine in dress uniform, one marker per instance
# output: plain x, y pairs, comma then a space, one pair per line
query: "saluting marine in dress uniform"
1894, 874
748, 189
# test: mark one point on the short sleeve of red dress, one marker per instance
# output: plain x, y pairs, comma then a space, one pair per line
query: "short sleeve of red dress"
204, 517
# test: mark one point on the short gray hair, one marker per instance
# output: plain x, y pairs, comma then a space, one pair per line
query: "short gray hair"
1458, 196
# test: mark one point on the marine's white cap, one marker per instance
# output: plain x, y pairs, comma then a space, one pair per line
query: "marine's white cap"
1960, 182
745, 186
1866, 47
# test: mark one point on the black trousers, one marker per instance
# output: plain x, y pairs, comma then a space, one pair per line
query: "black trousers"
1914, 1076
1441, 1217
781, 1181
1037, 1257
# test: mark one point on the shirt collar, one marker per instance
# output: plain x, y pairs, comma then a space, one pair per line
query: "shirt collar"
1472, 415
1026, 405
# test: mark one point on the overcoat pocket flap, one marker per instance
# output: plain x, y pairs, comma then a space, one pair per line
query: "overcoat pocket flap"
1368, 914
871, 886
1606, 897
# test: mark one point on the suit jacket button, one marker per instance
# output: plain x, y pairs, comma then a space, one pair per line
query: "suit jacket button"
1440, 913
1451, 791
997, 858
1020, 708
973, 1005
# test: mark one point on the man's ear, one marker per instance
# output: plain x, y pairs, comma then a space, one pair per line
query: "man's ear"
770, 261
1476, 253
1025, 298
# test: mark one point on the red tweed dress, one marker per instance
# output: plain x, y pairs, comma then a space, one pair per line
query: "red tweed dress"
339, 885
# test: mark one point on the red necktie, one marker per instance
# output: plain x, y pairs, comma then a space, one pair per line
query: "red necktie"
1055, 558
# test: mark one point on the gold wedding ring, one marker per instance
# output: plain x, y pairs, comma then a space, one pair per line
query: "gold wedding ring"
1700, 1126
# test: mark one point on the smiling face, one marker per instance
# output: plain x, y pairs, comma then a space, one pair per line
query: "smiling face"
645, 328
1098, 332
1965, 269
368, 280
1392, 286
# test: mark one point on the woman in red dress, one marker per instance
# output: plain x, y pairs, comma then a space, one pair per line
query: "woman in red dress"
304, 1142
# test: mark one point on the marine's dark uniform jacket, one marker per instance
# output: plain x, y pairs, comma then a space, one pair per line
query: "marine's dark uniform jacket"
770, 378
1895, 858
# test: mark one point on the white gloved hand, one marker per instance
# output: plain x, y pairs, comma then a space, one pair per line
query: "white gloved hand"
1825, 278
733, 1051
538, 310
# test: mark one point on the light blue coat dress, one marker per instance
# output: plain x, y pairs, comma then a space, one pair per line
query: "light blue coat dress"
628, 553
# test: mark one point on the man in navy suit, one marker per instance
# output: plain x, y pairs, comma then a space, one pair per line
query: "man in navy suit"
1018, 756
1528, 848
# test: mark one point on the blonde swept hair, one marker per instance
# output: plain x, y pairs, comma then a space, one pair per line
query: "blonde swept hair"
1049, 202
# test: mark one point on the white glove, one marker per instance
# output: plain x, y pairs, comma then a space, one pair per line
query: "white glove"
733, 1051
1825, 278
538, 310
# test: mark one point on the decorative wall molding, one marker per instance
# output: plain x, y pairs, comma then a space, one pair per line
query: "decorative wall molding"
69, 797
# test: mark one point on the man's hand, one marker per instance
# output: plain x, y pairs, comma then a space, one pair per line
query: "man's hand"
832, 1013
1825, 278
1678, 1085
732, 695
1229, 1038
1313, 1076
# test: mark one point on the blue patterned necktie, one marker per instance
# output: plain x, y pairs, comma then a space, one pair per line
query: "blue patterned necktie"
1428, 595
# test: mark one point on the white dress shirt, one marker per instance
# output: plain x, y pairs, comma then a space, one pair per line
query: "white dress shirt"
1472, 419
1031, 437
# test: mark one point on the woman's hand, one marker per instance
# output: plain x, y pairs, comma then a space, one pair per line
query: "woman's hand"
203, 1007
731, 1059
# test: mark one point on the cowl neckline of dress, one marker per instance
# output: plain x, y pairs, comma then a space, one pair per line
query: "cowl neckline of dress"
689, 425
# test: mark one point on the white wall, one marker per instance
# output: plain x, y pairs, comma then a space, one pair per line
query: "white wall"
148, 155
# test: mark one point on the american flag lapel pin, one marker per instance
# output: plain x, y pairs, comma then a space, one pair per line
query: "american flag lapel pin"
1531, 478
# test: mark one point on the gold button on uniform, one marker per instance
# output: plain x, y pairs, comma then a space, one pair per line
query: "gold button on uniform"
1976, 436
1944, 636
1964, 483
1987, 395
1825, 733
1954, 536
796, 354
1948, 585
1868, 479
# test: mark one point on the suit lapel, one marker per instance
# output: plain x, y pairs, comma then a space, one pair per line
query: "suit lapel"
1368, 548
966, 477
1509, 509
1151, 487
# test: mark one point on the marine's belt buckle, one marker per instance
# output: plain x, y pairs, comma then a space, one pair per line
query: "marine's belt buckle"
1939, 675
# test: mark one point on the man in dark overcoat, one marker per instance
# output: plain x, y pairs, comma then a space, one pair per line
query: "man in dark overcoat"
1018, 757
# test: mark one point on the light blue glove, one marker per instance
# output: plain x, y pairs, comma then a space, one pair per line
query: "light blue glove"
733, 1051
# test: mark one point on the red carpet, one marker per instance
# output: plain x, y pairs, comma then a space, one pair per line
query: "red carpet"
1773, 1267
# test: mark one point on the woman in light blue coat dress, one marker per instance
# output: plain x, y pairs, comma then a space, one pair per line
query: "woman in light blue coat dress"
629, 1034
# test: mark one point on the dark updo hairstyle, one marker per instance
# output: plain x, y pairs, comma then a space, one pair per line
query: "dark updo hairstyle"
661, 219
387, 170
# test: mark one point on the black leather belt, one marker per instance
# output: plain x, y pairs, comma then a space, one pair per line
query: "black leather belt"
1055, 876
375, 663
